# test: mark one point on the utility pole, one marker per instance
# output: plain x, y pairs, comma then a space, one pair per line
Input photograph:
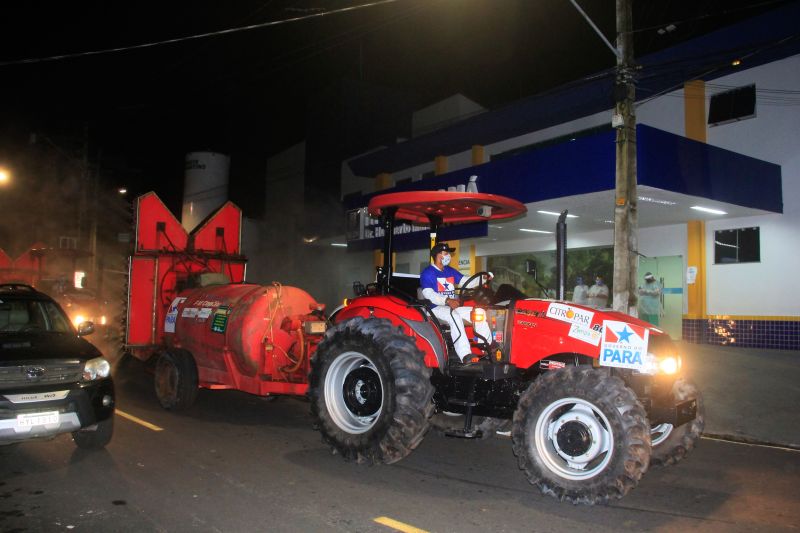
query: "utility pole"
626, 222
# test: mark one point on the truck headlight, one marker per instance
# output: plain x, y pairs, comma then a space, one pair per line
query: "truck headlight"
97, 368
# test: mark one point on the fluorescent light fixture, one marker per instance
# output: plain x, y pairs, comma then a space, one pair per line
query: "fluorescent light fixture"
709, 210
556, 214
495, 226
651, 200
339, 244
534, 230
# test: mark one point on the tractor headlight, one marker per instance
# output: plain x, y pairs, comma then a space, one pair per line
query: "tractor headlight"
477, 315
97, 368
668, 364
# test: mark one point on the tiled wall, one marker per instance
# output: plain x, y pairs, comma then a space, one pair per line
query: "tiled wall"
749, 333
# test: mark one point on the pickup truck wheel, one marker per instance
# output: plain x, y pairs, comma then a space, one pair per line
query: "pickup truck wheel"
176, 380
580, 435
370, 391
671, 444
97, 438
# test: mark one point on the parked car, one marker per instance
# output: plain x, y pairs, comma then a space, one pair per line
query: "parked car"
52, 381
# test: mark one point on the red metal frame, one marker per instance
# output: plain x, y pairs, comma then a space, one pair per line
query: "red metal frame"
451, 207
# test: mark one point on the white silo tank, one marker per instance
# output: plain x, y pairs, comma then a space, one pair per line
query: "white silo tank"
205, 186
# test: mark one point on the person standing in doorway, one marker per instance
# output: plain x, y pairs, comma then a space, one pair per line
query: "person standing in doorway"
598, 293
580, 295
650, 299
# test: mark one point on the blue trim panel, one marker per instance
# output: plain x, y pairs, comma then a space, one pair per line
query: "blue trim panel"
665, 161
674, 163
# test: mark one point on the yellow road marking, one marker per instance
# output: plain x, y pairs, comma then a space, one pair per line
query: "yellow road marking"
398, 526
139, 421
753, 444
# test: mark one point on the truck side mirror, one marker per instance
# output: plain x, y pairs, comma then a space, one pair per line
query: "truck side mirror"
530, 267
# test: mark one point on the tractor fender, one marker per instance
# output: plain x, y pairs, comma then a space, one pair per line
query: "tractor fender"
425, 333
426, 330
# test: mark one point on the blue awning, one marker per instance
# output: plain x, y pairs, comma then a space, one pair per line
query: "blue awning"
587, 164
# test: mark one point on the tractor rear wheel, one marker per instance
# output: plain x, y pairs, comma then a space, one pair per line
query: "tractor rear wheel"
176, 380
581, 435
671, 444
370, 391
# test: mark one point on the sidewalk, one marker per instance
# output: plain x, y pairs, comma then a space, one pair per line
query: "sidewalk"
750, 393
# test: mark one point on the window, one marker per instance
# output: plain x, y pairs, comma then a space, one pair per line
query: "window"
732, 106
737, 246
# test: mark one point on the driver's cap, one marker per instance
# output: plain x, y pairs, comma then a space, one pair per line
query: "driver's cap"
441, 247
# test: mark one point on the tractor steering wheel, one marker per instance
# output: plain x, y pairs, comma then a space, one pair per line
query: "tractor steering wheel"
482, 294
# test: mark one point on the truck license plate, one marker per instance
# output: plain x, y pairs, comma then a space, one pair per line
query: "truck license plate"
37, 419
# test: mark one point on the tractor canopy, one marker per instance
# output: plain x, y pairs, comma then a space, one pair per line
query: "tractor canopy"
445, 207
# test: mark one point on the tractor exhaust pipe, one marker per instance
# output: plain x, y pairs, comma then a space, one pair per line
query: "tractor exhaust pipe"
561, 256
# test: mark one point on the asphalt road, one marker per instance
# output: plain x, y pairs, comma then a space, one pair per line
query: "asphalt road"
235, 462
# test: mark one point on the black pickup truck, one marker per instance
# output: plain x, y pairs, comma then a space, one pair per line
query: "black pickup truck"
52, 381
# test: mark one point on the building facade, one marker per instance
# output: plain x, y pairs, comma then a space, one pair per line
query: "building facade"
719, 130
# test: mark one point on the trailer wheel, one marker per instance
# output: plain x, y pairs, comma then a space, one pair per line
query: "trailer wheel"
176, 380
580, 435
671, 444
96, 438
370, 391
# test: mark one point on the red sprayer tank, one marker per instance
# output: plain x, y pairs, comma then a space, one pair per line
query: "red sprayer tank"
248, 337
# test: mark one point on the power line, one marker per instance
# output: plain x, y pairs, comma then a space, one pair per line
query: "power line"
194, 37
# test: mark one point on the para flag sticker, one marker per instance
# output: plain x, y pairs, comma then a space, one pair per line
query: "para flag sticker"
624, 345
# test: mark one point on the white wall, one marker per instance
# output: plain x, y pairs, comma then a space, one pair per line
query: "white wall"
774, 136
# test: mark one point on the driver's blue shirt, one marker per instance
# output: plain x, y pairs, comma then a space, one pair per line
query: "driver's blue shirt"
442, 281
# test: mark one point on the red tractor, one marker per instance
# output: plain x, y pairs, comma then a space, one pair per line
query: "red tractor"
593, 396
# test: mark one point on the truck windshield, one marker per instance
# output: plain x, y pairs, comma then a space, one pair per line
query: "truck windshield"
32, 315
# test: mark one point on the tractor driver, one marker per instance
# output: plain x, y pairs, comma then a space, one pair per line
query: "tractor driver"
438, 282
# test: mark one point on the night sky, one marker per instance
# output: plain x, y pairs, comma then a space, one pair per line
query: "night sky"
247, 93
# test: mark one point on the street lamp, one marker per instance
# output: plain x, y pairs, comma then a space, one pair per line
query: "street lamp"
5, 176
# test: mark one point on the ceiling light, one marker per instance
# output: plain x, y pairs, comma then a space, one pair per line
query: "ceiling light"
709, 210
650, 200
495, 226
556, 214
309, 240
339, 244
534, 230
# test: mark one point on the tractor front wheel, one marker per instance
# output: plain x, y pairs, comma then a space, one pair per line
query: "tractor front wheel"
671, 444
580, 435
370, 391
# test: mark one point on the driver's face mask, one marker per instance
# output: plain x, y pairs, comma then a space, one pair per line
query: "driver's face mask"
446, 259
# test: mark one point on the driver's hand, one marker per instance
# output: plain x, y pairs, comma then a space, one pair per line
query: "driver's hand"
452, 303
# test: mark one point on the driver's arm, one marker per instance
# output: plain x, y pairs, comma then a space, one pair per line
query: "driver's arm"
474, 283
434, 297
